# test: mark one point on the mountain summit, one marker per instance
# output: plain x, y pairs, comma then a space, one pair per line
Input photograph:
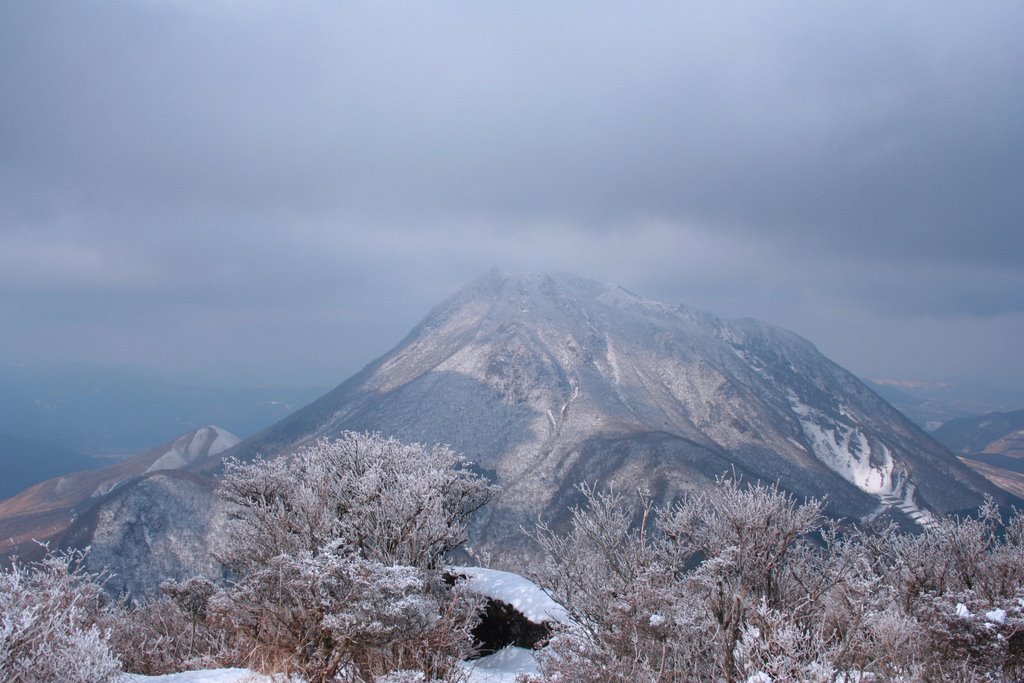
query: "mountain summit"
547, 380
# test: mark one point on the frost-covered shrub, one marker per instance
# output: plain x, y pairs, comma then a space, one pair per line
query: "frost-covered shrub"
337, 552
744, 584
192, 596
668, 600
392, 502
338, 614
963, 632
171, 634
978, 554
48, 630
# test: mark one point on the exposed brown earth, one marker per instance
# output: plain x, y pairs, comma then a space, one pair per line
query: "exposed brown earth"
1001, 477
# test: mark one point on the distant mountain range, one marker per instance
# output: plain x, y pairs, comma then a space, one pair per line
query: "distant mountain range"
992, 434
545, 381
991, 444
932, 404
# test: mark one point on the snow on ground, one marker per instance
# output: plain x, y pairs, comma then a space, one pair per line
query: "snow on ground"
206, 676
521, 593
502, 667
996, 616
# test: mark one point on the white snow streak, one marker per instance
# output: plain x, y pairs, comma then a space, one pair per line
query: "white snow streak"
848, 452
613, 360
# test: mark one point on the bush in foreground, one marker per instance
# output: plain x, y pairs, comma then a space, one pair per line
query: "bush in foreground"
48, 624
744, 583
338, 551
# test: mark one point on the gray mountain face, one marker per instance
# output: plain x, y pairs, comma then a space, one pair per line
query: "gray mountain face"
545, 381
164, 525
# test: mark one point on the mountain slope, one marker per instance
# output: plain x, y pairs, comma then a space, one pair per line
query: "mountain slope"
992, 445
1006, 478
548, 380
165, 524
994, 433
43, 511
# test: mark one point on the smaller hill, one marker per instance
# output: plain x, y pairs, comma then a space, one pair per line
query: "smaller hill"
994, 433
43, 511
992, 445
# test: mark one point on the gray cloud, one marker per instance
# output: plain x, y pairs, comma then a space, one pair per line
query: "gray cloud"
211, 185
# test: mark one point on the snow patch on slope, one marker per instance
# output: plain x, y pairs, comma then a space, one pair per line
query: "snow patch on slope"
613, 360
848, 452
909, 506
205, 441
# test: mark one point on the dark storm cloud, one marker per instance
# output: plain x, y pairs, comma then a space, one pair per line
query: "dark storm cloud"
246, 167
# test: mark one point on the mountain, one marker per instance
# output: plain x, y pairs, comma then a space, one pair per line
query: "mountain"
996, 433
27, 461
44, 511
545, 381
164, 524
931, 404
102, 410
1007, 478
992, 445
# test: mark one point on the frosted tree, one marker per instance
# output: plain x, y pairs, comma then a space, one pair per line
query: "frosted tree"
48, 629
337, 551
392, 502
670, 598
744, 583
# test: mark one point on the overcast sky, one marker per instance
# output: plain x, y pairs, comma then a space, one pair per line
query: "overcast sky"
262, 192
